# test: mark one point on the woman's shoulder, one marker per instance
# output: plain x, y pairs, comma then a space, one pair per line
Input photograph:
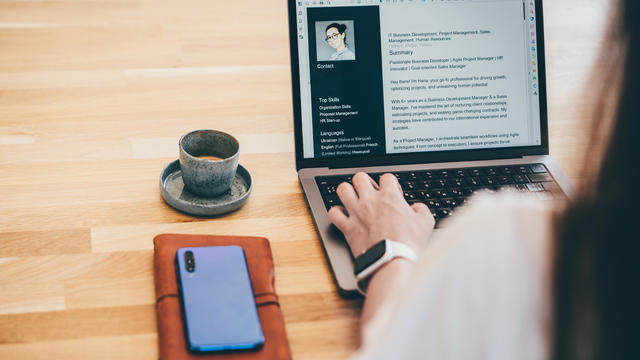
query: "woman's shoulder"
346, 54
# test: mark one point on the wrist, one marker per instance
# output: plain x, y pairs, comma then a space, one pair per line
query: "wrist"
384, 253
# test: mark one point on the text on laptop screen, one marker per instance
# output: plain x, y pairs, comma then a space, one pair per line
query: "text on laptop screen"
405, 76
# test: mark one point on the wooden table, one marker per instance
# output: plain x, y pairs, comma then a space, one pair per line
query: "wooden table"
93, 97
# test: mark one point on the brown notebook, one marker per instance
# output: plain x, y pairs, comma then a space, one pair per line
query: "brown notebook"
171, 334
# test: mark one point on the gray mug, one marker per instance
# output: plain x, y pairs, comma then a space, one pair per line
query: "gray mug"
208, 161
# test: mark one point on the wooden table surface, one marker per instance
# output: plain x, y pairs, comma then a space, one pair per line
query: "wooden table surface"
94, 95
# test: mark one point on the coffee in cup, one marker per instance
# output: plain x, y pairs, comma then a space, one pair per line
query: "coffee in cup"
208, 161
210, 157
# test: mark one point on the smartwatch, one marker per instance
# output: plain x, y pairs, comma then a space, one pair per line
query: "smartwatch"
376, 257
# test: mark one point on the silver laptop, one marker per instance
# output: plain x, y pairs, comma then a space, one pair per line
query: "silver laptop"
448, 95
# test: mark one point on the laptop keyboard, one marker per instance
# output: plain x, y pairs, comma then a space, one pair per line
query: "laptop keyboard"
443, 190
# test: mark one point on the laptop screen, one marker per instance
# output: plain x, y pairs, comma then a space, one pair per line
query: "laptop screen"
382, 77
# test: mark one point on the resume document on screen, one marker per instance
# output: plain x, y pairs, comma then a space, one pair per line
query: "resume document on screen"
418, 77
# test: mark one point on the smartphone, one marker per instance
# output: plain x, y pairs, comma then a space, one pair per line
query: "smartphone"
217, 299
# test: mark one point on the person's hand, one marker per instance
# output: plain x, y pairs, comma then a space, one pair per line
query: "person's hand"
377, 212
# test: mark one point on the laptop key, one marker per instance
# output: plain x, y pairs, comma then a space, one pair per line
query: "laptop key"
408, 185
449, 202
538, 168
505, 180
332, 201
337, 180
474, 181
443, 174
540, 177
489, 171
535, 187
412, 176
444, 212
425, 184
328, 189
488, 180
522, 170
456, 182
409, 195
521, 179
440, 193
424, 195
456, 192
440, 183
429, 175
506, 170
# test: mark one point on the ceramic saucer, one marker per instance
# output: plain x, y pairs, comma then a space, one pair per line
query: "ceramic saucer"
176, 194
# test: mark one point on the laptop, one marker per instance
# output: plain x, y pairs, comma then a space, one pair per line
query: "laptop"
447, 95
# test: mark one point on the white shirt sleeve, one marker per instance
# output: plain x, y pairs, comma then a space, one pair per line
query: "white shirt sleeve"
480, 290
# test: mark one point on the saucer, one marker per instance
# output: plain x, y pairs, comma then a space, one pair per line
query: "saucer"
176, 194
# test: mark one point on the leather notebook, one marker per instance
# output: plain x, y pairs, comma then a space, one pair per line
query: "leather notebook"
171, 334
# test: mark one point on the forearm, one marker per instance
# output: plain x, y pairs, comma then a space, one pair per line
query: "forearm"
384, 282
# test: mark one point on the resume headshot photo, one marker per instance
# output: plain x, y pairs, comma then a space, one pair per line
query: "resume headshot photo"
335, 40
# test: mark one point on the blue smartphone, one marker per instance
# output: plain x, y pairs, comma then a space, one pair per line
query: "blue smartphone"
217, 299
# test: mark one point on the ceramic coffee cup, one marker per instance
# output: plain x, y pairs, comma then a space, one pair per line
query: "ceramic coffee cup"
208, 161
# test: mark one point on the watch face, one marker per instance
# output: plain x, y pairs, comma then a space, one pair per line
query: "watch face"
369, 257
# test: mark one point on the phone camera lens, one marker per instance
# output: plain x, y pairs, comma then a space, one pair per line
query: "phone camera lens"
190, 261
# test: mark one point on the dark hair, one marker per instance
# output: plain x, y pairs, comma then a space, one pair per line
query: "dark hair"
340, 27
596, 290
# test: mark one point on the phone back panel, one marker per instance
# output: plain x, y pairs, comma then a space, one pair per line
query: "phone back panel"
218, 302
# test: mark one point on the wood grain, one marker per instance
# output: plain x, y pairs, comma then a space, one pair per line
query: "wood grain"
30, 243
93, 97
